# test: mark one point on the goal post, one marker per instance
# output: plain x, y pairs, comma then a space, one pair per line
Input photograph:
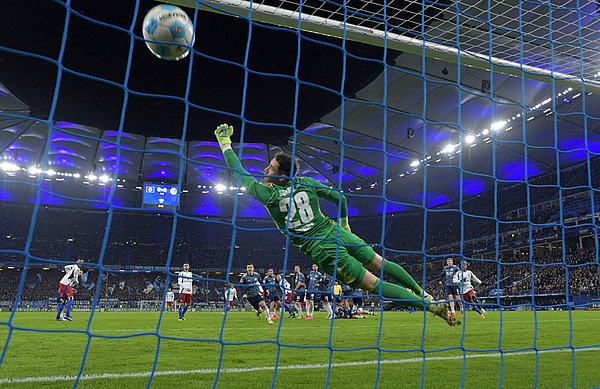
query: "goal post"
320, 25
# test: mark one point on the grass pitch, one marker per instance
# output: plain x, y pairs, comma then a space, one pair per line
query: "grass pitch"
124, 347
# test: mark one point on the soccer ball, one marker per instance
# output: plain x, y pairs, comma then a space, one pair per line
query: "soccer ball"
168, 23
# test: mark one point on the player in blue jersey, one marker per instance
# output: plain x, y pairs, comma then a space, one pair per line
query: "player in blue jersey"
357, 298
271, 283
314, 282
346, 293
253, 292
451, 287
300, 287
327, 295
343, 313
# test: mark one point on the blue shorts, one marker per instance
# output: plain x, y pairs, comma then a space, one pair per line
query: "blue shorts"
452, 290
272, 296
300, 297
255, 301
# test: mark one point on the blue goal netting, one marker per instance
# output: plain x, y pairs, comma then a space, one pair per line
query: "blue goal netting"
462, 130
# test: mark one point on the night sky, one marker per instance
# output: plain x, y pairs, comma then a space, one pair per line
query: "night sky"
217, 76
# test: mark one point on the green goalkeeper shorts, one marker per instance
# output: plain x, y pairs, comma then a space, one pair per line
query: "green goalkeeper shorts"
353, 254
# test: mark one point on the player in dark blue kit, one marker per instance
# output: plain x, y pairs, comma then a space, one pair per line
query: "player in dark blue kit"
357, 299
343, 313
346, 293
314, 282
271, 285
327, 295
254, 292
451, 287
300, 286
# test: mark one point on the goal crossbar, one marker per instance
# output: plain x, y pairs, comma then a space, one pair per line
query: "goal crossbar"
316, 24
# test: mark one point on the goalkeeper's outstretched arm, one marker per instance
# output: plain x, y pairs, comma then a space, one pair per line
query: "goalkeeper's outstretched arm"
223, 134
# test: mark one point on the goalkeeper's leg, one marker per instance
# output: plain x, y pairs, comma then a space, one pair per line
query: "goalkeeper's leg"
396, 272
359, 250
374, 284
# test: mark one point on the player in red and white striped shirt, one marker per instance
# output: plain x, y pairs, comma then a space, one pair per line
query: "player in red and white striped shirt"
70, 279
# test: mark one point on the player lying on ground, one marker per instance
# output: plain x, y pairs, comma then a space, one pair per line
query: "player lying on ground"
343, 313
317, 235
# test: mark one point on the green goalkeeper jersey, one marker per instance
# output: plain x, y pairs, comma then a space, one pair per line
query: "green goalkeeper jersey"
299, 200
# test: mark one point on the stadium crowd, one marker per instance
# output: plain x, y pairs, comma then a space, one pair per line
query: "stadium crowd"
141, 241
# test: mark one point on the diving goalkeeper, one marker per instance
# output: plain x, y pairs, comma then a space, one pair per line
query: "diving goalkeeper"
317, 235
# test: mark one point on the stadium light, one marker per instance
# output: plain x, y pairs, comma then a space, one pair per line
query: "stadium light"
448, 149
415, 163
220, 187
103, 178
9, 167
50, 172
470, 139
498, 125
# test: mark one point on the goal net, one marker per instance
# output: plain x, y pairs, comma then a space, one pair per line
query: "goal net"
456, 130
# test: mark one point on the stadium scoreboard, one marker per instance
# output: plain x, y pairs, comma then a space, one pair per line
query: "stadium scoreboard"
160, 196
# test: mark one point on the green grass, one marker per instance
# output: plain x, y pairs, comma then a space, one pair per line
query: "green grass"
52, 354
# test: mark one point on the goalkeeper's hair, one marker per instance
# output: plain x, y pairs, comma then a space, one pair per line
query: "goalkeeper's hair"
285, 164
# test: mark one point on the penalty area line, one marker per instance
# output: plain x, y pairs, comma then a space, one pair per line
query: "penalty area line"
287, 367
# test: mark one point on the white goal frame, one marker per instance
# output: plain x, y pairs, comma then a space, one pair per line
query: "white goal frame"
286, 18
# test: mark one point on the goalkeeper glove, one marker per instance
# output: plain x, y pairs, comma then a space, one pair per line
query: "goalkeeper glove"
223, 133
344, 224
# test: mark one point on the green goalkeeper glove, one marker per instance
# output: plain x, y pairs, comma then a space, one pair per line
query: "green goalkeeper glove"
344, 224
223, 133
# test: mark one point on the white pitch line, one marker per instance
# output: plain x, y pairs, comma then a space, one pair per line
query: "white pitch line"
153, 330
271, 368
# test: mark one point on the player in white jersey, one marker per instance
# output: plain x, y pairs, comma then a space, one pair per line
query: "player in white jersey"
70, 279
230, 296
185, 290
466, 279
287, 295
170, 299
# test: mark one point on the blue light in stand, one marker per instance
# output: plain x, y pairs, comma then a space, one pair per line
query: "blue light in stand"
391, 207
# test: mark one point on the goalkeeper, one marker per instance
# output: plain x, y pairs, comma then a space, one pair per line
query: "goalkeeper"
317, 235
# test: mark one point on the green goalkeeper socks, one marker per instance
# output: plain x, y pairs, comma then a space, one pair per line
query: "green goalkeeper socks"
398, 273
394, 291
